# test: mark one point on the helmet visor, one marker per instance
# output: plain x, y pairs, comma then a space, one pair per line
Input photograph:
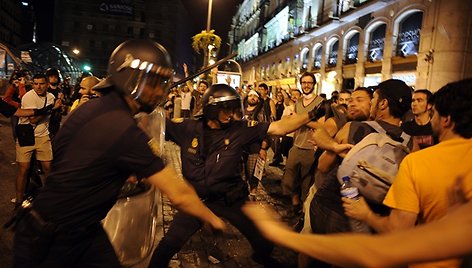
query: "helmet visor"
144, 77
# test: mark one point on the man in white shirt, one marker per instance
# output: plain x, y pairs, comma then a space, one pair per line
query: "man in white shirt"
34, 99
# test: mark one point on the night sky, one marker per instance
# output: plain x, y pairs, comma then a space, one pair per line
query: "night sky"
222, 14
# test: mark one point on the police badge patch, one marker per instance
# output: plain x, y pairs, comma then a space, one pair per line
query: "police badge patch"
194, 143
251, 123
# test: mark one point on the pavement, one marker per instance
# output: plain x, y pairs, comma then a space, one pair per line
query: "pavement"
230, 249
203, 250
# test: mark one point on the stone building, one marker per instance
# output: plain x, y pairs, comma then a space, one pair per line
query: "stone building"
95, 28
351, 43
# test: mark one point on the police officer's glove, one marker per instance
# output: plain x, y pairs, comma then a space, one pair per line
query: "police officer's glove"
318, 112
43, 111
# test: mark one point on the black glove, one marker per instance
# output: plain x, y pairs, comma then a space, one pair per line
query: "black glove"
43, 111
318, 112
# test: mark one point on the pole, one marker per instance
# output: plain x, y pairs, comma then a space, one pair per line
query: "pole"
206, 69
209, 15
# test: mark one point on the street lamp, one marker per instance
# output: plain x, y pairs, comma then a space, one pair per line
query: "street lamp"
210, 2
76, 51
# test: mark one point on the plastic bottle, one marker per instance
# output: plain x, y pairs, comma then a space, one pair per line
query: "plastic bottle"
352, 192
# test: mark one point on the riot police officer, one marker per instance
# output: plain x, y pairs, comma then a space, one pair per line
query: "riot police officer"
211, 150
62, 228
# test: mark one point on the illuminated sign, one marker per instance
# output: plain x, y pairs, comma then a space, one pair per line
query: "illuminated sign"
116, 8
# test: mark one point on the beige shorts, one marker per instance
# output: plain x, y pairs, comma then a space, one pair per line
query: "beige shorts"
42, 146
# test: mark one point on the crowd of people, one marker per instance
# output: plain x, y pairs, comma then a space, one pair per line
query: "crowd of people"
224, 134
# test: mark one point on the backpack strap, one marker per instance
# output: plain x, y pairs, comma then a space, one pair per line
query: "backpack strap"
377, 127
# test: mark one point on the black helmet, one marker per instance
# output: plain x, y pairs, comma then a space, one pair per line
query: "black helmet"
220, 97
135, 63
53, 72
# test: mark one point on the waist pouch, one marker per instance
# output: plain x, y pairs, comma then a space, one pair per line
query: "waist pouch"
25, 134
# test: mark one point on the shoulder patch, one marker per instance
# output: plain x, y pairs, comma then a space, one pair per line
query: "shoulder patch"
251, 123
177, 120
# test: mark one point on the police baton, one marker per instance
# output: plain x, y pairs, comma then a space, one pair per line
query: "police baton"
206, 69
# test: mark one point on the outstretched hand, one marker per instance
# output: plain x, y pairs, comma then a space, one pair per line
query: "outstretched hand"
218, 224
264, 218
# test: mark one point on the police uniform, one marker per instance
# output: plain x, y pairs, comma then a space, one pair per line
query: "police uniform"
95, 151
211, 162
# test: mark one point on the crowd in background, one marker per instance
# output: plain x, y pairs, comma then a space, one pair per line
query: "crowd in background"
310, 157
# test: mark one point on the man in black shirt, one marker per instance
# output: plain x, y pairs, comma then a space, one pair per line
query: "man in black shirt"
211, 150
96, 150
420, 127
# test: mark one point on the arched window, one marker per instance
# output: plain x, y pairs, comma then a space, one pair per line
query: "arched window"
304, 56
352, 49
333, 54
408, 41
376, 43
317, 57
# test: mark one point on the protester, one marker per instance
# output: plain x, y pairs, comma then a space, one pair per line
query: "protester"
33, 134
419, 191
443, 239
86, 91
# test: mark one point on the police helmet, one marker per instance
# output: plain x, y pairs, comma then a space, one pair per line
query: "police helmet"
220, 97
53, 72
136, 63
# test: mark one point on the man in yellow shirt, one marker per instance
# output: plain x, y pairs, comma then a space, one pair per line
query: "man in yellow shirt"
419, 192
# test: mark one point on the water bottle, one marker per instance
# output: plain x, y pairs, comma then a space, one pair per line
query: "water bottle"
352, 192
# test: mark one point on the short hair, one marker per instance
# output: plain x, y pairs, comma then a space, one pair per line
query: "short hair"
429, 95
345, 91
455, 100
203, 82
40, 76
310, 75
398, 94
367, 90
263, 85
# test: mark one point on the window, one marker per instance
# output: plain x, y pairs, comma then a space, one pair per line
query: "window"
333, 55
376, 44
408, 41
352, 49
317, 58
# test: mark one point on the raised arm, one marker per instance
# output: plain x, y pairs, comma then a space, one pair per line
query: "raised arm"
288, 124
425, 243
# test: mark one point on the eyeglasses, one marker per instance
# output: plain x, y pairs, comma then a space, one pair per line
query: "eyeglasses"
307, 83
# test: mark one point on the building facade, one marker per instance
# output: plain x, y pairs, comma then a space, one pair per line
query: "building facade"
351, 43
95, 28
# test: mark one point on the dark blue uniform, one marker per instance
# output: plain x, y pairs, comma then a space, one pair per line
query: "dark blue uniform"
211, 162
97, 149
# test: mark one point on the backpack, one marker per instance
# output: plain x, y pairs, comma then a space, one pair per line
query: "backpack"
373, 163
